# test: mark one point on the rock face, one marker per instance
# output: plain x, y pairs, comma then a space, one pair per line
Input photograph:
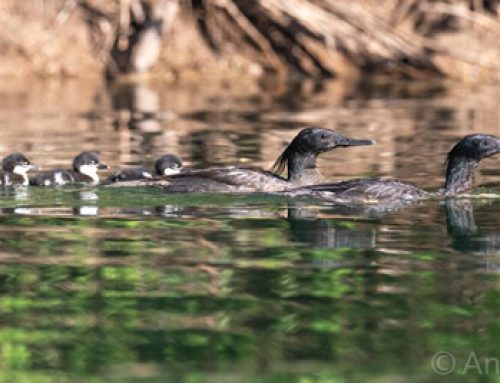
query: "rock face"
312, 38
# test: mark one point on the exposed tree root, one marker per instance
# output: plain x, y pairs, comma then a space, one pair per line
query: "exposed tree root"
312, 38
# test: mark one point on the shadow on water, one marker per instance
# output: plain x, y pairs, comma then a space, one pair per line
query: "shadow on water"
100, 284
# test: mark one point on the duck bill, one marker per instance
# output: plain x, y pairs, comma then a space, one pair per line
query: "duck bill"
346, 141
33, 167
497, 150
102, 166
492, 150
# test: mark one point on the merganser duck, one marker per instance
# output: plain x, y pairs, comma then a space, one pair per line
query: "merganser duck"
166, 165
15, 170
85, 168
299, 157
462, 161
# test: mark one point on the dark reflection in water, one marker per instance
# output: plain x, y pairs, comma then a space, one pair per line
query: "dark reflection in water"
306, 227
102, 284
467, 235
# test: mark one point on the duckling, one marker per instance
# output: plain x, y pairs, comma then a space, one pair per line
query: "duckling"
15, 170
166, 165
85, 168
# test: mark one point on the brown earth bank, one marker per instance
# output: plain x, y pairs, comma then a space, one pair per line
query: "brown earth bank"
181, 40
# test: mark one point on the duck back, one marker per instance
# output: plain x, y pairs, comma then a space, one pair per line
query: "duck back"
130, 174
235, 179
53, 177
364, 191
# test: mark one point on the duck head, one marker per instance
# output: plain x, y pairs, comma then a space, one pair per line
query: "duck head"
17, 163
464, 158
168, 165
476, 147
88, 163
318, 140
302, 152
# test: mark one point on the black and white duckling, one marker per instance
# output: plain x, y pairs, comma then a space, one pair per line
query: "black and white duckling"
166, 165
462, 161
15, 168
299, 157
85, 168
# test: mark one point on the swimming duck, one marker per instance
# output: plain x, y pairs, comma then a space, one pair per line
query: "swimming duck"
85, 168
15, 170
462, 161
299, 157
166, 165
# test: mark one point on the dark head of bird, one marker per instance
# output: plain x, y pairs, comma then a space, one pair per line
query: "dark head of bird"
168, 165
90, 159
88, 163
17, 163
302, 152
464, 158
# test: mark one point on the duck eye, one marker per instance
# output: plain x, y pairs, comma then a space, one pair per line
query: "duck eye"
323, 136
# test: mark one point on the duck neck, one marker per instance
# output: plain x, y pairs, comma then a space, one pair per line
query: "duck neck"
302, 169
460, 175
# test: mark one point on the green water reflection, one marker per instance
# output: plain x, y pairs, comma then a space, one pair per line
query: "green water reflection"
258, 289
132, 285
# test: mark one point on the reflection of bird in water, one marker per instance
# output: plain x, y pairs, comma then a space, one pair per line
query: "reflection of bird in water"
90, 209
238, 212
307, 227
21, 194
466, 235
377, 210
460, 217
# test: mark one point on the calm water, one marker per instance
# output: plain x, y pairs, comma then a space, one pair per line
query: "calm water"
132, 285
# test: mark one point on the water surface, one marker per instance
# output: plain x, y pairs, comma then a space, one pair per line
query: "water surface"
132, 285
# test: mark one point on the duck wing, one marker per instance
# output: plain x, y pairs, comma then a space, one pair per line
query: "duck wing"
365, 191
232, 179
129, 174
53, 177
